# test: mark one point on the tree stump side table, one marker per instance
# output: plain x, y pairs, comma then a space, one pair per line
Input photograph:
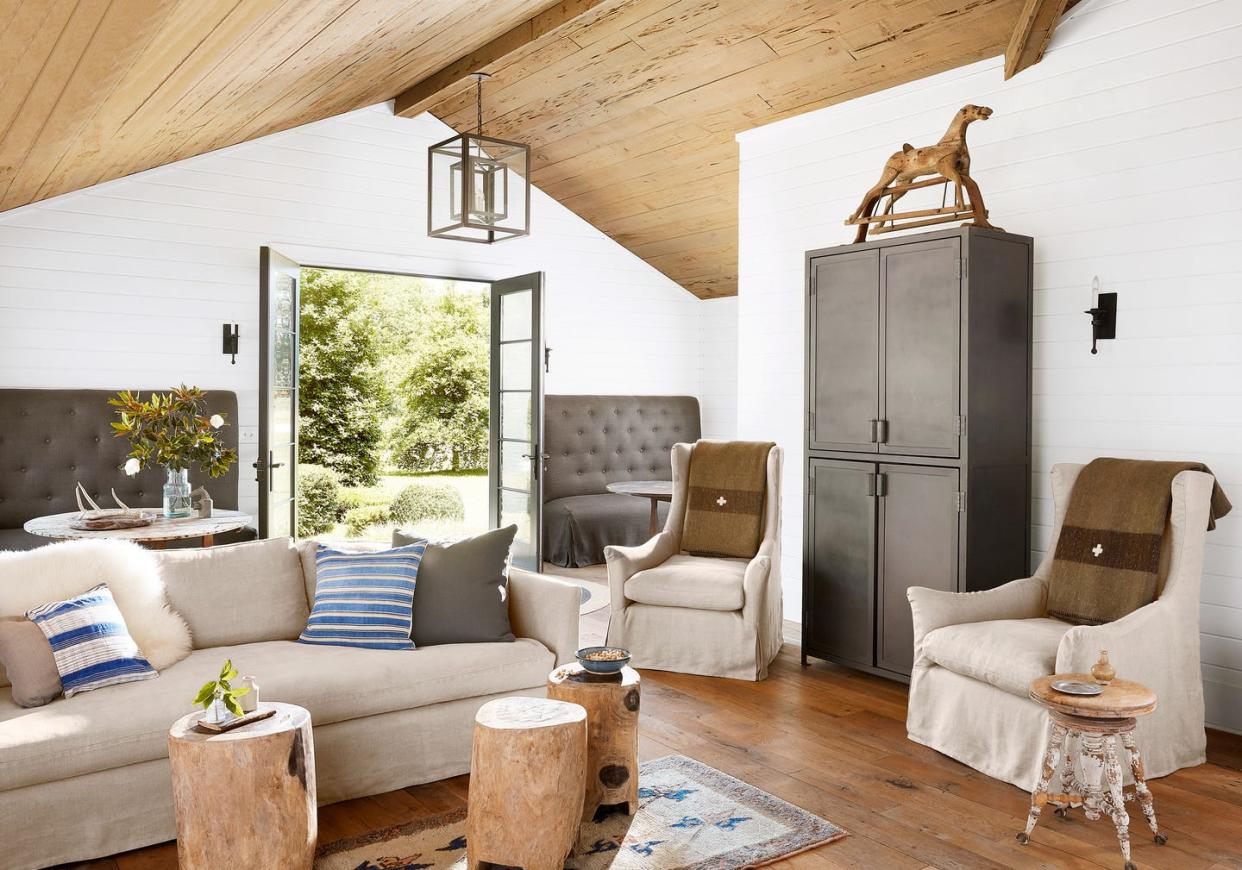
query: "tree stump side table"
245, 797
1085, 731
526, 771
611, 702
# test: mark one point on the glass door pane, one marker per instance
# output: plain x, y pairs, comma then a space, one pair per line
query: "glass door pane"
516, 463
276, 469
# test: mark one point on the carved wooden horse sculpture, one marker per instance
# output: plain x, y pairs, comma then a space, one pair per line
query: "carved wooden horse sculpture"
948, 158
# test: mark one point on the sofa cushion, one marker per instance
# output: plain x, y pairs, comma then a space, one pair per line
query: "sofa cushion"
129, 723
697, 582
364, 599
1005, 653
462, 594
243, 593
27, 657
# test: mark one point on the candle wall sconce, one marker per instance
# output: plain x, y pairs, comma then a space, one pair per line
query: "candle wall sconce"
1103, 315
231, 340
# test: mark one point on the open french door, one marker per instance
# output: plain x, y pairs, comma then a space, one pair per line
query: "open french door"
276, 469
515, 466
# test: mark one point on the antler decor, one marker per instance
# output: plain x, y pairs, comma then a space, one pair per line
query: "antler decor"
948, 161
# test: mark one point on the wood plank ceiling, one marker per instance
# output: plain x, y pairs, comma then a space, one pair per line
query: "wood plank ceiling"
91, 90
631, 105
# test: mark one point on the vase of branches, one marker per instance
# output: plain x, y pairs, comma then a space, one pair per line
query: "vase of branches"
173, 430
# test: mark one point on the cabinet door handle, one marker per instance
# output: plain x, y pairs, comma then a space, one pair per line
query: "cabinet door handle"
882, 433
871, 486
875, 431
881, 484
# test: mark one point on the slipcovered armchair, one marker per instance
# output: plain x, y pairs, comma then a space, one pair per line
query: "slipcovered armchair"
697, 614
975, 654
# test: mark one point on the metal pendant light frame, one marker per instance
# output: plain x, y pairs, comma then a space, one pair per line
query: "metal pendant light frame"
470, 151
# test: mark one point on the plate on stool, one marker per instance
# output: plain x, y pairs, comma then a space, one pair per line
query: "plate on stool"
1076, 687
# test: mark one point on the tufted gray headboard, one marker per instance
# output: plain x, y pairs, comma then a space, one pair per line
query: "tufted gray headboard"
595, 440
50, 439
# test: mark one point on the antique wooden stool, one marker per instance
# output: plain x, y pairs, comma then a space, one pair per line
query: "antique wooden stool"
1085, 731
611, 702
526, 771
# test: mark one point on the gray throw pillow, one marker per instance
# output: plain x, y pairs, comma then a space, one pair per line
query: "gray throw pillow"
27, 656
462, 594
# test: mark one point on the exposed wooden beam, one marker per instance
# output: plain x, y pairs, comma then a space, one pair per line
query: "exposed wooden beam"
420, 97
1031, 34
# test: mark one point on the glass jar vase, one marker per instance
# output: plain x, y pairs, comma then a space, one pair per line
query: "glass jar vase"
177, 493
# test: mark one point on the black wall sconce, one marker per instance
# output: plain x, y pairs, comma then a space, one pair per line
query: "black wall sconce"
1103, 315
231, 341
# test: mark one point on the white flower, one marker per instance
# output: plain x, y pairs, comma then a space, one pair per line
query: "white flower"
216, 421
132, 466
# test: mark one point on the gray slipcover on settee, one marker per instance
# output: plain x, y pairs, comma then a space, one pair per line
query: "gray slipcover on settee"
51, 439
592, 441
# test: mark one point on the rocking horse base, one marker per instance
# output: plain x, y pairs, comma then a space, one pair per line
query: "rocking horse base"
888, 221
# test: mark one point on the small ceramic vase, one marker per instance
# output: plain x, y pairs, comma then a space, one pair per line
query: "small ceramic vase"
249, 701
1103, 671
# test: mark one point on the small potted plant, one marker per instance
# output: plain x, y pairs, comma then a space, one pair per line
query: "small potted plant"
173, 430
219, 698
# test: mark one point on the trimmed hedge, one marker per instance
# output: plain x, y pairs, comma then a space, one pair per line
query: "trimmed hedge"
423, 501
359, 519
359, 496
319, 492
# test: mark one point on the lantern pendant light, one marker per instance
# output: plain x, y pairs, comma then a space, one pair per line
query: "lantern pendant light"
476, 185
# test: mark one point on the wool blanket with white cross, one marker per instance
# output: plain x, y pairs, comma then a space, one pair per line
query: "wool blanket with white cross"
1109, 554
724, 510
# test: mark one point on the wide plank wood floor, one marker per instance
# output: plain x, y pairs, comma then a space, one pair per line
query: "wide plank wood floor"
833, 741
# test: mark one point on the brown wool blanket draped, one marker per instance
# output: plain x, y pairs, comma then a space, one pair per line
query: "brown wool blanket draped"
1107, 560
724, 511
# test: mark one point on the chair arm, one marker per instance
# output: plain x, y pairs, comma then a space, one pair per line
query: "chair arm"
931, 608
545, 609
625, 562
755, 587
1150, 646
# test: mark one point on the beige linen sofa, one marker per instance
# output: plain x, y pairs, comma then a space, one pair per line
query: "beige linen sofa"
695, 614
88, 776
976, 653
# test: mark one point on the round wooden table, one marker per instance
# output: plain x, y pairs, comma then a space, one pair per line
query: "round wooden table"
1085, 731
656, 490
153, 536
526, 771
246, 797
611, 702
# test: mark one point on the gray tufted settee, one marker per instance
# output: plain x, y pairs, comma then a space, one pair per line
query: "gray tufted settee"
51, 439
592, 441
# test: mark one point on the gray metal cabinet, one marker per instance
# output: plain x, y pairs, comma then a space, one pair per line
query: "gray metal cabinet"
918, 399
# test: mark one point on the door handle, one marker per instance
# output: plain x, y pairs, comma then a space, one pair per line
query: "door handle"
881, 431
871, 485
875, 431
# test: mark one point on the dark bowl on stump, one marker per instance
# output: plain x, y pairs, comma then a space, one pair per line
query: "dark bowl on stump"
611, 665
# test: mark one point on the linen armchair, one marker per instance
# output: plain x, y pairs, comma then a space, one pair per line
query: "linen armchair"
697, 614
975, 654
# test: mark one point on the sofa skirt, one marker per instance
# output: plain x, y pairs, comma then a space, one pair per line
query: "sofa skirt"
128, 807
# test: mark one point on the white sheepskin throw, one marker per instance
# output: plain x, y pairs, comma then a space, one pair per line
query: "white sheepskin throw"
29, 578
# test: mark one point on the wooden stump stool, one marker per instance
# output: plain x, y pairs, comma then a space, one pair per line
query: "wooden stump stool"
245, 798
526, 774
1090, 732
611, 703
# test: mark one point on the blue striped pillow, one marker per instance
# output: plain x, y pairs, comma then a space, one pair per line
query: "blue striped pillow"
364, 599
90, 642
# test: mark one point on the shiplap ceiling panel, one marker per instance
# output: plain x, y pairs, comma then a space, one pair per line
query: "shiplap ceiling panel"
632, 106
91, 90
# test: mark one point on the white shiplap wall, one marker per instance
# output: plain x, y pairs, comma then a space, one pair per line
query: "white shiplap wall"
718, 367
126, 284
1119, 154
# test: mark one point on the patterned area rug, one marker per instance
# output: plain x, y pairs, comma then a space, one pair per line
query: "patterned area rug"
690, 816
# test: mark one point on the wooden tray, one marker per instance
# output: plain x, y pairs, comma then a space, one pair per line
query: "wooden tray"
220, 728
